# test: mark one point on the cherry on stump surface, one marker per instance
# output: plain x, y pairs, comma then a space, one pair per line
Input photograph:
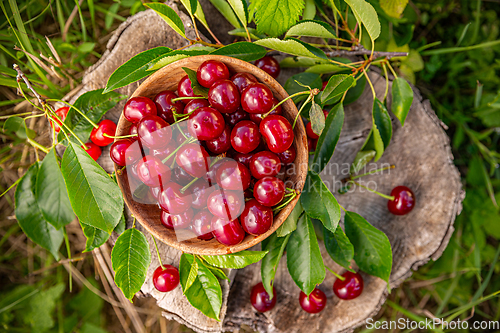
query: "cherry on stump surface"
315, 303
404, 201
166, 278
350, 288
260, 298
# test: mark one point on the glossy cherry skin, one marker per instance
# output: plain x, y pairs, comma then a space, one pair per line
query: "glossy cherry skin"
243, 80
220, 144
315, 303
180, 176
172, 200
206, 123
260, 298
310, 133
278, 133
224, 96
133, 130
245, 136
243, 158
288, 156
350, 288
265, 163
154, 132
155, 191
269, 191
125, 152
93, 150
184, 89
152, 172
269, 65
194, 159
210, 176
164, 152
106, 126
256, 219
195, 104
227, 232
166, 108
174, 222
226, 204
199, 191
257, 98
404, 200
232, 175
233, 118
61, 113
166, 278
210, 72
138, 107
202, 225
257, 117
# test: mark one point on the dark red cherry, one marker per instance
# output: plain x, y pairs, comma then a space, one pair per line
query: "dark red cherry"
125, 152
61, 113
106, 126
184, 89
256, 219
222, 143
233, 118
195, 104
93, 150
315, 303
226, 204
174, 222
245, 136
165, 152
323, 86
243, 80
232, 175
257, 98
133, 130
269, 191
199, 191
166, 108
265, 163
138, 107
181, 177
310, 133
172, 200
224, 96
288, 156
227, 232
152, 172
206, 123
194, 159
210, 72
350, 288
166, 278
181, 132
269, 65
311, 144
257, 117
260, 298
210, 176
202, 224
243, 158
154, 132
404, 200
278, 133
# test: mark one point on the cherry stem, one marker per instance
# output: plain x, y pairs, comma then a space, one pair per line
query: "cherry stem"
37, 145
301, 108
11, 187
191, 140
340, 277
184, 98
284, 100
133, 223
157, 252
68, 249
385, 196
188, 185
372, 172
281, 206
120, 136
77, 110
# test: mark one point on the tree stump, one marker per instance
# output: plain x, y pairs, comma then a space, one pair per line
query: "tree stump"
422, 155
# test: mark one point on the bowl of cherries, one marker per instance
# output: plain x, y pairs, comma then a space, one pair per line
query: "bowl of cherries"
212, 155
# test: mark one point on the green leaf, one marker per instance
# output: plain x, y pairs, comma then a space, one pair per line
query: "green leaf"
169, 15
290, 223
30, 217
304, 260
235, 260
17, 126
393, 8
339, 247
402, 97
305, 79
219, 273
190, 5
337, 85
173, 57
317, 118
366, 14
39, 313
240, 7
130, 259
319, 203
275, 246
372, 250
120, 227
136, 68
310, 28
198, 89
51, 194
292, 46
328, 139
274, 17
362, 158
325, 69
382, 128
242, 50
241, 32
96, 199
225, 9
95, 237
293, 62
193, 274
309, 10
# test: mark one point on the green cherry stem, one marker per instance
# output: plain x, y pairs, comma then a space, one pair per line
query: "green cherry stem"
284, 100
281, 206
385, 196
189, 184
120, 136
157, 252
184, 98
302, 108
340, 277
191, 140
372, 172
77, 110
39, 146
11, 187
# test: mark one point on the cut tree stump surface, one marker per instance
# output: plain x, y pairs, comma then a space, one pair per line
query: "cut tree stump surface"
424, 162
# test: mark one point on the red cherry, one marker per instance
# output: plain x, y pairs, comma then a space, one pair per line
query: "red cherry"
245, 136
206, 123
278, 133
152, 172
269, 65
193, 158
257, 98
256, 219
199, 191
210, 72
243, 158
315, 303
265, 163
311, 144
155, 191
184, 89
288, 156
133, 130
163, 153
260, 298
166, 108
232, 175
195, 104
243, 80
174, 222
202, 225
323, 86
222, 143
93, 150
404, 200
138, 107
226, 204
233, 118
269, 191
257, 117
181, 132
350, 288
61, 113
210, 176
125, 152
227, 232
106, 126
154, 132
181, 177
224, 96
310, 133
172, 200
166, 278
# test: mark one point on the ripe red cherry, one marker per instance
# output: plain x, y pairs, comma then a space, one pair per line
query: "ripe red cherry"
193, 158
199, 191
269, 191
257, 117
138, 107
224, 96
269, 65
181, 132
256, 219
93, 150
288, 156
311, 144
172, 200
206, 123
210, 72
125, 152
61, 113
163, 153
310, 133
195, 104
222, 143
133, 130
260, 298
265, 163
227, 232
404, 200
243, 158
226, 204
257, 98
323, 86
315, 303
202, 225
154, 132
166, 108
152, 172
174, 222
243, 80
350, 288
278, 133
181, 177
106, 126
233, 118
232, 175
184, 89
166, 278
245, 136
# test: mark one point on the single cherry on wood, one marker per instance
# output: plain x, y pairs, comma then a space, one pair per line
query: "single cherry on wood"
350, 288
404, 200
138, 107
107, 127
260, 298
315, 303
210, 72
166, 278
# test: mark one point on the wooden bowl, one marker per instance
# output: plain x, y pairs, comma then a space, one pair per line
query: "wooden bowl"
148, 216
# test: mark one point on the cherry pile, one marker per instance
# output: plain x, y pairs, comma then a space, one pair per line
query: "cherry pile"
212, 164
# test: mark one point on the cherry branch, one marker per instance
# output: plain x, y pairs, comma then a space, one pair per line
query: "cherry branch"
22, 77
